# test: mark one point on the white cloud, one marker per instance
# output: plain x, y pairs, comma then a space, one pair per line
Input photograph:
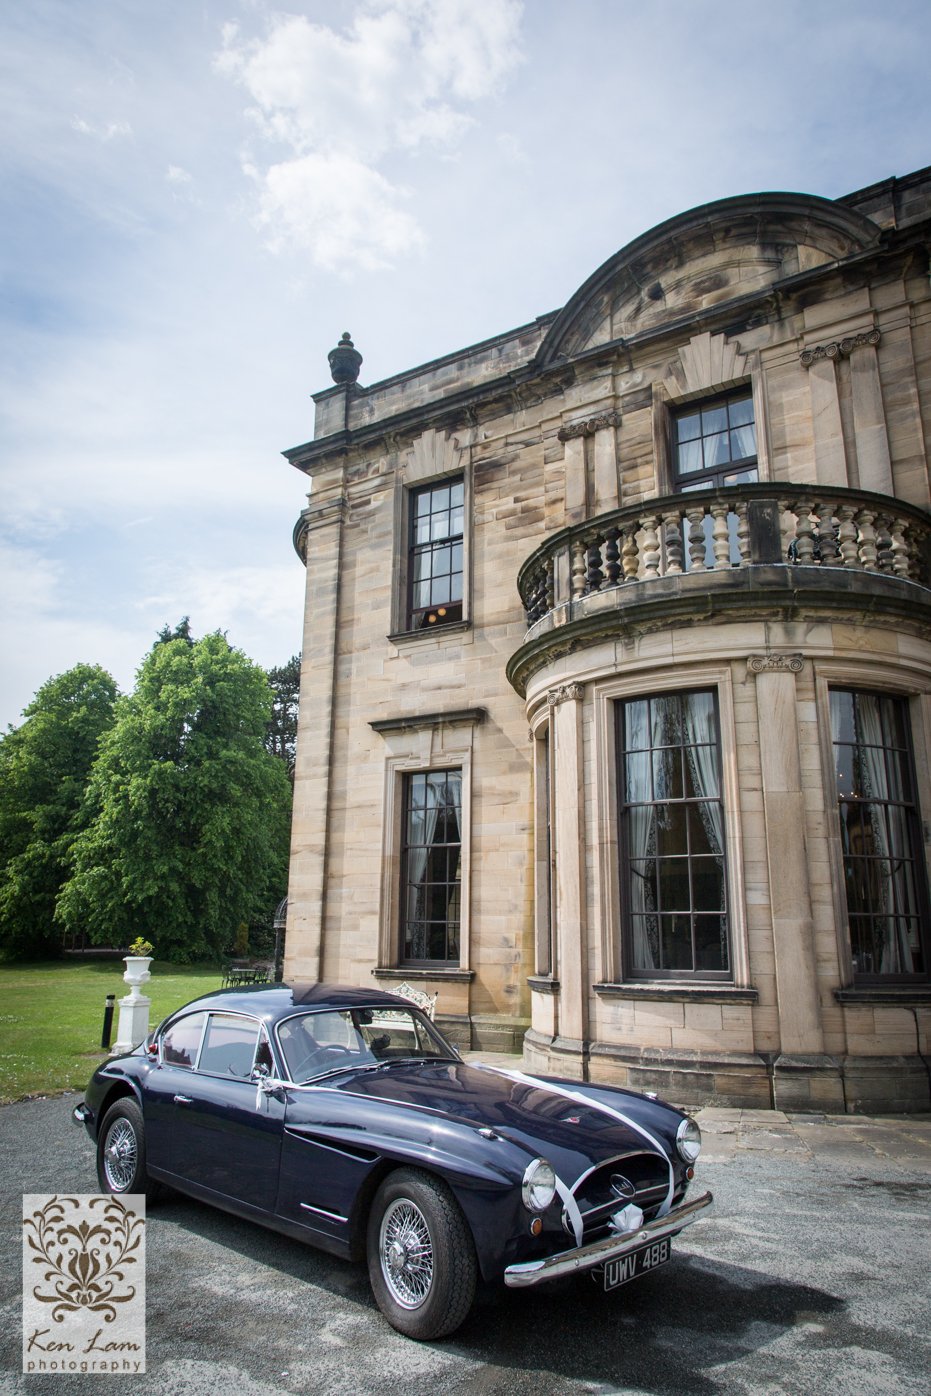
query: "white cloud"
176, 175
339, 209
106, 132
342, 103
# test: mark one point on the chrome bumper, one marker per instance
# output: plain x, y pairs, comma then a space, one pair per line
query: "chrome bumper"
551, 1267
80, 1115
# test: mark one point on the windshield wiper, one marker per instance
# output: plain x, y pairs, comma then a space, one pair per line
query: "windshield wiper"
380, 1066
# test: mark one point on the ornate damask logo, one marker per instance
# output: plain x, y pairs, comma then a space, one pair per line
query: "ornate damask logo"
89, 1251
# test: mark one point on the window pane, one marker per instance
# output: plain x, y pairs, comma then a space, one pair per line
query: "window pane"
717, 449
688, 426
180, 1042
690, 457
710, 943
677, 942
743, 442
740, 411
637, 771
672, 835
713, 419
229, 1046
636, 725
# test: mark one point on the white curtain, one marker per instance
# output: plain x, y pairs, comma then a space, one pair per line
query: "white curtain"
702, 755
890, 887
641, 832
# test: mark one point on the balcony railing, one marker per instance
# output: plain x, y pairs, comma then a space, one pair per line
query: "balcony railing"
715, 530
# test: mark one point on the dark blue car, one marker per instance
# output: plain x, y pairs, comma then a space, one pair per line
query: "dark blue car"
342, 1117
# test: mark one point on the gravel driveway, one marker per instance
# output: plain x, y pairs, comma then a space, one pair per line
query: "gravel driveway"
812, 1276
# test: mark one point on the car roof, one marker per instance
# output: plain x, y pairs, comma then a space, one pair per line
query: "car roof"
271, 1002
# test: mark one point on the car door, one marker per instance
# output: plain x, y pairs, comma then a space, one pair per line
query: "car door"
226, 1131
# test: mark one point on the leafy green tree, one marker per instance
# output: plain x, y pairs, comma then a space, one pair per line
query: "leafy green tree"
189, 834
44, 767
281, 733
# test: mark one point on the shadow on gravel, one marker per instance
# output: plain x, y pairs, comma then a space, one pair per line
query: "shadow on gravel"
660, 1335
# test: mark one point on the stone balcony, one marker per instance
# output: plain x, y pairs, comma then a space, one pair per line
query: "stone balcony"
771, 550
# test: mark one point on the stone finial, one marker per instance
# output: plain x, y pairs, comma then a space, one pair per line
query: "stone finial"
345, 361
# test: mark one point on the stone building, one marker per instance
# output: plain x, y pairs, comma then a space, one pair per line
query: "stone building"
616, 702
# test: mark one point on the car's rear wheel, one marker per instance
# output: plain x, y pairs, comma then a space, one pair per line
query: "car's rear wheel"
421, 1258
121, 1152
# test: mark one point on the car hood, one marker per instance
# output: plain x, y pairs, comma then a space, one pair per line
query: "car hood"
572, 1135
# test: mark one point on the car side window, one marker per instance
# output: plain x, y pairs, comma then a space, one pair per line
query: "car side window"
182, 1040
229, 1046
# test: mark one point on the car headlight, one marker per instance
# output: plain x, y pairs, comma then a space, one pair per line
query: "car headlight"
539, 1185
688, 1140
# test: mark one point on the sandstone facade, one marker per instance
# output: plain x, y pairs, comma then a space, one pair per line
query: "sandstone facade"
769, 943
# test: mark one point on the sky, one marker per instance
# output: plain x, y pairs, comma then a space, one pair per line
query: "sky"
197, 197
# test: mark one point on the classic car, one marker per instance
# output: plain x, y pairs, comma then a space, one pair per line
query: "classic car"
342, 1117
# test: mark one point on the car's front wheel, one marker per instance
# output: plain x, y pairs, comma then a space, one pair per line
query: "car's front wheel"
121, 1151
421, 1259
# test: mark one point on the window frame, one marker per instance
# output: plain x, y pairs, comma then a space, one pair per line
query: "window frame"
680, 974
404, 884
710, 477
447, 612
608, 928
871, 979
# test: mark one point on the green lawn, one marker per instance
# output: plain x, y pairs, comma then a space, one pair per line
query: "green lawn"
51, 1015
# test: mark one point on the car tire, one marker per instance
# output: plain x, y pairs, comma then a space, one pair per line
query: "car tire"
121, 1152
421, 1259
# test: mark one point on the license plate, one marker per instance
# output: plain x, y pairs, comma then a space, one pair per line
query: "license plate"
629, 1267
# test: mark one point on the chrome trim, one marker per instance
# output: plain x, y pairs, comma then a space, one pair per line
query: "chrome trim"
615, 1158
81, 1114
321, 1212
551, 1267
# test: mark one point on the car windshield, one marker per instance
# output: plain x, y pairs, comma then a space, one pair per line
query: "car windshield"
320, 1044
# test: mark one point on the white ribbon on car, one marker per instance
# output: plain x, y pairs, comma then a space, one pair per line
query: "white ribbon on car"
579, 1099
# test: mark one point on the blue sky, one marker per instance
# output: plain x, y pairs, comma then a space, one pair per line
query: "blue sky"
199, 196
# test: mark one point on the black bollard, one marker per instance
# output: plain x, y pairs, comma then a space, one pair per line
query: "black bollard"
107, 1022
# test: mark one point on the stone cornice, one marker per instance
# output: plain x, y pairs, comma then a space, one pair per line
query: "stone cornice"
458, 716
769, 592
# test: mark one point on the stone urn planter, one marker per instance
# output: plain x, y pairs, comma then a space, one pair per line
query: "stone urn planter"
137, 973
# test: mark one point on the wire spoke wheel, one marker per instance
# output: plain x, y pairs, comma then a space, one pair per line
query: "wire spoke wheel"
406, 1251
120, 1155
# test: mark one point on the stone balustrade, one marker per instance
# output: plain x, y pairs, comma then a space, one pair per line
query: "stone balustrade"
712, 530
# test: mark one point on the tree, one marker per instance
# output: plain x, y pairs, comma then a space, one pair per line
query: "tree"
281, 733
190, 813
44, 767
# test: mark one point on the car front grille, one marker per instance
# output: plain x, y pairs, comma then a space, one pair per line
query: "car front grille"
638, 1177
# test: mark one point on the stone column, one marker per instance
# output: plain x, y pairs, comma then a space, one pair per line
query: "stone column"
869, 419
569, 829
827, 428
323, 532
604, 470
801, 1061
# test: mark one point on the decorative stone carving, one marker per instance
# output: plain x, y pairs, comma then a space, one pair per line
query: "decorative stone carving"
567, 692
839, 348
589, 426
782, 663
